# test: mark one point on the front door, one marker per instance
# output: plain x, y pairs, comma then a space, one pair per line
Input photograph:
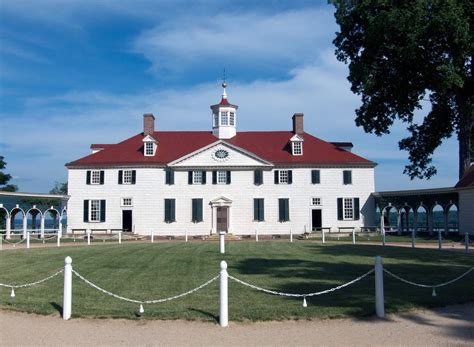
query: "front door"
221, 216
316, 220
127, 220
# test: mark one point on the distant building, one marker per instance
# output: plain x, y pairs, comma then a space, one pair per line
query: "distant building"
220, 180
465, 188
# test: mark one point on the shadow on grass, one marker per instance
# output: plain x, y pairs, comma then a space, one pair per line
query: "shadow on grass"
57, 307
205, 313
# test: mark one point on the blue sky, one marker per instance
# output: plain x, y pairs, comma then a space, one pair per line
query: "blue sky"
78, 72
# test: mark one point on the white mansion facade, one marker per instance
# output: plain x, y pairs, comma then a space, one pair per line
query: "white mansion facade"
202, 182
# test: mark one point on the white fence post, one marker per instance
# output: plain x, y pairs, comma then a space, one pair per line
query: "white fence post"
383, 237
67, 294
440, 242
120, 236
256, 235
413, 239
222, 242
324, 235
186, 236
466, 242
379, 296
353, 237
58, 241
152, 236
291, 235
88, 237
224, 309
27, 239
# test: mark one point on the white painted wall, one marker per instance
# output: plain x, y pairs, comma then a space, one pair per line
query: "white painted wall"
150, 191
466, 210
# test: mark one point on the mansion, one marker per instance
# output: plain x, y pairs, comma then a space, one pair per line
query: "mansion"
202, 182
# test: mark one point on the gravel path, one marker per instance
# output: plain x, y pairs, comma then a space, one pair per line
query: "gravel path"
452, 325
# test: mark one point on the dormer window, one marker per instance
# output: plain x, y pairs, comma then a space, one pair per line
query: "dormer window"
296, 145
149, 146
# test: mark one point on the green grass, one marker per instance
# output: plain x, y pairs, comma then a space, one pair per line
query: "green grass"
390, 238
150, 271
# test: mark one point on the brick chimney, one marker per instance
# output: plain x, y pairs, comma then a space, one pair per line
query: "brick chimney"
298, 123
148, 124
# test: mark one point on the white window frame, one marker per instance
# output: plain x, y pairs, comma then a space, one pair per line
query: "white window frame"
221, 177
348, 208
94, 210
149, 148
224, 116
316, 201
297, 148
95, 176
283, 176
126, 202
232, 118
127, 177
197, 177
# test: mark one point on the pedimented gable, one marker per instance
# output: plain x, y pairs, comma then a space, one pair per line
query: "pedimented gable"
220, 154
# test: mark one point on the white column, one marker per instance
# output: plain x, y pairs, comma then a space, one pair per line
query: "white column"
42, 226
27, 239
60, 228
413, 238
214, 219
379, 295
120, 236
399, 222
256, 235
185, 236
353, 236
152, 236
228, 219
9, 227
291, 235
58, 240
222, 242
224, 309
67, 293
324, 235
24, 225
88, 237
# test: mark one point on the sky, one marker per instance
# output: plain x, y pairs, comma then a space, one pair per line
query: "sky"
78, 72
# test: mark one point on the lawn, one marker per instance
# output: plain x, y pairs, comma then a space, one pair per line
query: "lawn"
145, 271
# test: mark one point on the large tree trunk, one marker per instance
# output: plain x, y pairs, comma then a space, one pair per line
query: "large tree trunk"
466, 123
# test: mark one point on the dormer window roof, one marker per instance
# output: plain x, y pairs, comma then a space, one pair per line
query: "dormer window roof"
149, 146
296, 143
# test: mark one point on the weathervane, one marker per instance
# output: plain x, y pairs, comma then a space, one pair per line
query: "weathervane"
224, 84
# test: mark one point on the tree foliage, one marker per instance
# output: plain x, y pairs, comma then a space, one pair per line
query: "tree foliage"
5, 178
59, 188
402, 54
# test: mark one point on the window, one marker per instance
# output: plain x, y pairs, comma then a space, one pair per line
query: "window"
196, 177
127, 176
94, 211
149, 148
284, 210
347, 176
127, 202
283, 177
258, 177
216, 119
221, 177
196, 210
348, 209
95, 177
170, 211
297, 148
169, 177
316, 201
258, 210
315, 177
224, 118
232, 118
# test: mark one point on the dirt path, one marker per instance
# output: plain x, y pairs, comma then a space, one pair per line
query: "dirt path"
453, 325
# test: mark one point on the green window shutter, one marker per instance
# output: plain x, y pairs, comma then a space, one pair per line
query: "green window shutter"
214, 177
315, 177
88, 177
203, 177
167, 176
172, 210
197, 210
258, 210
284, 212
120, 176
134, 176
276, 177
340, 212
347, 177
290, 176
167, 211
190, 177
356, 209
255, 209
102, 177
287, 209
102, 210
86, 210
262, 210
228, 177
171, 173
258, 177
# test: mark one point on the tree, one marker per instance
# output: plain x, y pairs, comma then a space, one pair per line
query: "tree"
5, 178
59, 188
404, 53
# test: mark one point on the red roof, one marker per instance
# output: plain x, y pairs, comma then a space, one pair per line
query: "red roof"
272, 146
467, 180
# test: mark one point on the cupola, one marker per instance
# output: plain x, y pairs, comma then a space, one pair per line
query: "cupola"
224, 117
